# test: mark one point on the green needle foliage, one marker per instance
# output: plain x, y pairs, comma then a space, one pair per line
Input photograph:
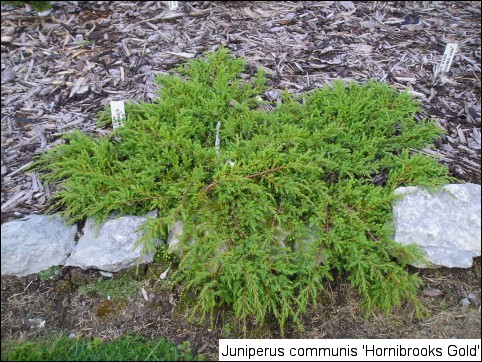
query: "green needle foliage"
285, 201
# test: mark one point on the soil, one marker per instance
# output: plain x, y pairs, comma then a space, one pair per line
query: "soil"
27, 301
54, 81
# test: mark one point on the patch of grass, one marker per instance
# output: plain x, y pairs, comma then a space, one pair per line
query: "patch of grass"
118, 288
126, 348
36, 5
283, 201
50, 273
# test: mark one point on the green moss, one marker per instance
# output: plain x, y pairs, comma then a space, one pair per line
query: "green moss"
64, 286
118, 288
108, 306
303, 170
104, 309
79, 277
49, 273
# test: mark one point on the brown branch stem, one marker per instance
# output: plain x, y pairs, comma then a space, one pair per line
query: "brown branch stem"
253, 175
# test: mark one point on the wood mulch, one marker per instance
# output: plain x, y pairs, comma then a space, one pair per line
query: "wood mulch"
60, 70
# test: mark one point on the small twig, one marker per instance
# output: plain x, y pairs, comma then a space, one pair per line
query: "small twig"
371, 235
262, 173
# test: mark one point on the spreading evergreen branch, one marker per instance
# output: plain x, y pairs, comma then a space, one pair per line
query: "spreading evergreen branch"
253, 175
265, 232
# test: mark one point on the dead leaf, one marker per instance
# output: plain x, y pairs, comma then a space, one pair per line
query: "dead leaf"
432, 293
164, 274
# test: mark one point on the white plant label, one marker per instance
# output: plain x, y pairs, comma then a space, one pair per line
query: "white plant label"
217, 142
173, 5
448, 56
118, 113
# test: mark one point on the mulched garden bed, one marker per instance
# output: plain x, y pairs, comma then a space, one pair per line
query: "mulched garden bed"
59, 71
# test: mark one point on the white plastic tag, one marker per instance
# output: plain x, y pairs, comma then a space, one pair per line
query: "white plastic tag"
118, 113
173, 5
448, 56
217, 142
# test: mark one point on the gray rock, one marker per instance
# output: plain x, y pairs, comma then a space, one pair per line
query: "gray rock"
36, 322
464, 302
35, 243
307, 243
280, 235
106, 274
175, 235
302, 245
110, 246
471, 296
446, 225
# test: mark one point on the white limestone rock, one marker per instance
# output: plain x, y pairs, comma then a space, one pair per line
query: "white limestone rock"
446, 225
35, 243
174, 238
175, 235
308, 243
111, 246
